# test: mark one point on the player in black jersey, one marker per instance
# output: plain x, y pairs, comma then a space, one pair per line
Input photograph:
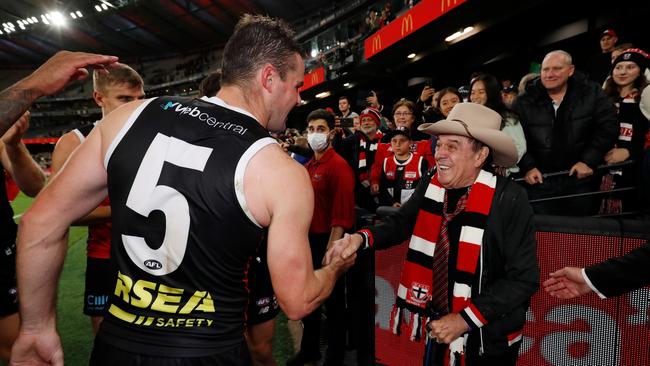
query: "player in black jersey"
16, 160
193, 184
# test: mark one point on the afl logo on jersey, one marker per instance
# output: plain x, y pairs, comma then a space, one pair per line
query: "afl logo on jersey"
152, 264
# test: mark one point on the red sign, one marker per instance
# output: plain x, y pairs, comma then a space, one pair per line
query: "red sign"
420, 15
583, 331
40, 140
313, 78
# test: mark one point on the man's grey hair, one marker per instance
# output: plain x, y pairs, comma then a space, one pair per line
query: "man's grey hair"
567, 57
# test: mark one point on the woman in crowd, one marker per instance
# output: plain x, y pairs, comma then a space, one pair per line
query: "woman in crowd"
625, 87
485, 89
447, 99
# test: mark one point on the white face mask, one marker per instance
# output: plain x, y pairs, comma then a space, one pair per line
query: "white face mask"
317, 141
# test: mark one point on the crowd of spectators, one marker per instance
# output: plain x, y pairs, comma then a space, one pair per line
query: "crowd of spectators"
568, 130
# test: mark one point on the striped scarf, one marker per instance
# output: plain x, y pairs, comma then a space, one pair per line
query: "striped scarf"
415, 288
367, 150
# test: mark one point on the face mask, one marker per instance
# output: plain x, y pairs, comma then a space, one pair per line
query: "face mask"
317, 141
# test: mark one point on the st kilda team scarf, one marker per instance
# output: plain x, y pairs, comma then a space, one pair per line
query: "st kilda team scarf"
367, 147
415, 288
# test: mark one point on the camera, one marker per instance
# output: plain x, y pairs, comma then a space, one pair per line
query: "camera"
347, 122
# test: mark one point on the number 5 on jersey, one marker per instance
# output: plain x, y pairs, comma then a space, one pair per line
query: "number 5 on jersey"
146, 196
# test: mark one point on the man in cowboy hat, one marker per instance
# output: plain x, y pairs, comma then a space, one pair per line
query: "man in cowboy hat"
471, 267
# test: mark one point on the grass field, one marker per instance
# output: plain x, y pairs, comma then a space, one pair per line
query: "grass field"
74, 327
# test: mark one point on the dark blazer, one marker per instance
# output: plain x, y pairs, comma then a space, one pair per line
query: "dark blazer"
620, 275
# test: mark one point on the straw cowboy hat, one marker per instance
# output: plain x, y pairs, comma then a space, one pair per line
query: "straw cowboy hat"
480, 123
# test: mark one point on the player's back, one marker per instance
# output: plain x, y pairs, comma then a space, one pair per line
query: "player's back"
182, 234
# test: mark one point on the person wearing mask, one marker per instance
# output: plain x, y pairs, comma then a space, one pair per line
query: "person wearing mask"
333, 183
485, 90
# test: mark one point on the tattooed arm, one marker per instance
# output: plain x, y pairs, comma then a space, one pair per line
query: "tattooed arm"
51, 77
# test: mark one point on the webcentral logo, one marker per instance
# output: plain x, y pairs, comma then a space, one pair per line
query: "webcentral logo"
194, 112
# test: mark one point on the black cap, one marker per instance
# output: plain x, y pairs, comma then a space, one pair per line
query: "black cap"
399, 131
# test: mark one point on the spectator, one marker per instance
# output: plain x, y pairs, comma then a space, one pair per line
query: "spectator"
404, 117
525, 81
470, 290
599, 64
359, 151
509, 95
569, 125
624, 89
449, 97
333, 183
485, 90
401, 172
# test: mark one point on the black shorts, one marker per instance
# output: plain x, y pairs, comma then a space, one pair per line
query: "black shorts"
100, 282
262, 303
104, 354
8, 291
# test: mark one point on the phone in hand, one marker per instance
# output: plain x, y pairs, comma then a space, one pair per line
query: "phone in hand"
347, 122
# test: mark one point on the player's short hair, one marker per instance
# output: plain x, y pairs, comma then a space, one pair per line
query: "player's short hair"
258, 40
116, 74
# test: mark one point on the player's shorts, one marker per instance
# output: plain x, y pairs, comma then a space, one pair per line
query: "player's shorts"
8, 293
262, 303
104, 354
100, 283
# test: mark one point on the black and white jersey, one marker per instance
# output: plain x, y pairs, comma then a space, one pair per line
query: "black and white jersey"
182, 232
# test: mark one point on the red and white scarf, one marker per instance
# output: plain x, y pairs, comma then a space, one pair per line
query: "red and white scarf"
416, 279
366, 148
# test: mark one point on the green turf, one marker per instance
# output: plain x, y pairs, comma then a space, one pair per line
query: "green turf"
74, 327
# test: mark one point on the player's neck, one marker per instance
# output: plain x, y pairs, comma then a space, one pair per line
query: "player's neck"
248, 101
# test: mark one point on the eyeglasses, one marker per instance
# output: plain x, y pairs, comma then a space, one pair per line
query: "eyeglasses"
402, 114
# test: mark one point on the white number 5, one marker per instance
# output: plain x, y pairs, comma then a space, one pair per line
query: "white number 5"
146, 196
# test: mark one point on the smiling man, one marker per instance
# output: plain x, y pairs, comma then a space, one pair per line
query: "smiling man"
570, 125
471, 267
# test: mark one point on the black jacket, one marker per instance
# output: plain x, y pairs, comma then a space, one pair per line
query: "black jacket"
584, 129
510, 274
620, 275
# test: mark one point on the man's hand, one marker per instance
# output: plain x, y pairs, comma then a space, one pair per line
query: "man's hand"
374, 188
617, 155
534, 176
345, 247
63, 68
426, 94
447, 328
37, 348
15, 133
581, 170
567, 283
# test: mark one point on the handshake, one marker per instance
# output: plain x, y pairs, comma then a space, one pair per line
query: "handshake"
344, 249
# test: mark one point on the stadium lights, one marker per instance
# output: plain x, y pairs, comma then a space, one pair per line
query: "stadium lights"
322, 95
79, 15
411, 55
346, 85
98, 8
314, 52
458, 34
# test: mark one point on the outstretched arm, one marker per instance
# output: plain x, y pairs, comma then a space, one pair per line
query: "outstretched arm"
57, 72
286, 196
